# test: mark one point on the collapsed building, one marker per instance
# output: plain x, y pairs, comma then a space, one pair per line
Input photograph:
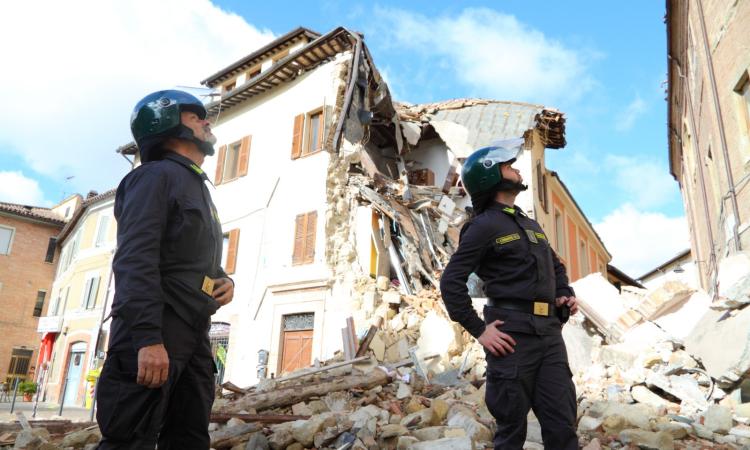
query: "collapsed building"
341, 207
325, 184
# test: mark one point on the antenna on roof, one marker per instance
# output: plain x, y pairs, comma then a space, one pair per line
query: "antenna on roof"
211, 92
67, 180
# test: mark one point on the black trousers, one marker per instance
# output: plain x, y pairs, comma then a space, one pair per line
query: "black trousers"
536, 376
176, 415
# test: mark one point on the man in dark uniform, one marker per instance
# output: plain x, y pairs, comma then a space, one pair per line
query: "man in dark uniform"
158, 380
528, 299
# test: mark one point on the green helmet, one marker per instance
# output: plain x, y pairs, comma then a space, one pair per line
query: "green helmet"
481, 170
157, 117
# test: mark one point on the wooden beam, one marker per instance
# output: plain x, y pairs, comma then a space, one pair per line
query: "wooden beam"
288, 396
256, 418
322, 369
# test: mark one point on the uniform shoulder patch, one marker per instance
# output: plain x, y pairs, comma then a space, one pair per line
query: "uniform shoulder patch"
508, 238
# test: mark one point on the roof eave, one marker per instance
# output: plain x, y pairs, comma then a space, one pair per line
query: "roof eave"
219, 76
228, 101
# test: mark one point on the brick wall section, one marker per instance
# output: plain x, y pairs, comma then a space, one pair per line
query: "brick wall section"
23, 273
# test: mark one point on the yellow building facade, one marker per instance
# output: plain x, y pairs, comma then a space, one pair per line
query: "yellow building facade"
72, 331
569, 231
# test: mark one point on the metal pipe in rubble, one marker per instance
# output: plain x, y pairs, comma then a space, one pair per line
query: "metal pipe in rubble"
353, 75
15, 393
62, 400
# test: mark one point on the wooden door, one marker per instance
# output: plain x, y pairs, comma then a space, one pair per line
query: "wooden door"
296, 352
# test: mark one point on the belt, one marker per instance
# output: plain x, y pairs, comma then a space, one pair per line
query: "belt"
538, 307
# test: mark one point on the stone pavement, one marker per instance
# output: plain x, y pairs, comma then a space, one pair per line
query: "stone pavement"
44, 411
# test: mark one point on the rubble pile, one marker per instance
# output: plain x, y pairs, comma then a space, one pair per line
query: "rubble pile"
644, 384
420, 386
48, 435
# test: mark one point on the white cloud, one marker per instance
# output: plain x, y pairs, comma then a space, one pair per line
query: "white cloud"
639, 240
493, 53
646, 182
626, 119
74, 70
15, 187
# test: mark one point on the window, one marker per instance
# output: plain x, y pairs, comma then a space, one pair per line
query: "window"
233, 160
70, 251
89, 293
60, 301
51, 245
743, 89
6, 239
101, 232
541, 186
229, 250
745, 92
584, 258
39, 305
559, 234
308, 133
304, 238
314, 133
229, 86
20, 359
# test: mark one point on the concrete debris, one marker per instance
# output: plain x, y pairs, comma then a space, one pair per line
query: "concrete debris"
734, 281
653, 368
709, 343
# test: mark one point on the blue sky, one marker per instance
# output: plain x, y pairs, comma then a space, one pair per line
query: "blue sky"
602, 63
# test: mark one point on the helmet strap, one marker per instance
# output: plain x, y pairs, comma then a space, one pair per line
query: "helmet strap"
507, 185
187, 134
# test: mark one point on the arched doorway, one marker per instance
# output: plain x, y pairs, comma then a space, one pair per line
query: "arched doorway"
74, 373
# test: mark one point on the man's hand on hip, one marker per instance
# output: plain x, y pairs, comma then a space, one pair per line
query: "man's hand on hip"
497, 342
153, 366
223, 290
571, 302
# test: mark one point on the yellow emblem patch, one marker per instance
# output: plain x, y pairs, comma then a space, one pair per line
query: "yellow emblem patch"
509, 238
208, 286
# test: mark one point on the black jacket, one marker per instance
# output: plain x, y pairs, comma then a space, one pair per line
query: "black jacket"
510, 252
168, 239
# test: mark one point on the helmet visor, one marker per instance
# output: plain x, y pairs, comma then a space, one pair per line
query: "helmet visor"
503, 152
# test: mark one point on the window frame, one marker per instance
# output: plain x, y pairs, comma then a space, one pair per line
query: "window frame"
560, 241
39, 305
231, 149
99, 221
307, 130
87, 292
583, 257
304, 257
742, 89
10, 240
541, 186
